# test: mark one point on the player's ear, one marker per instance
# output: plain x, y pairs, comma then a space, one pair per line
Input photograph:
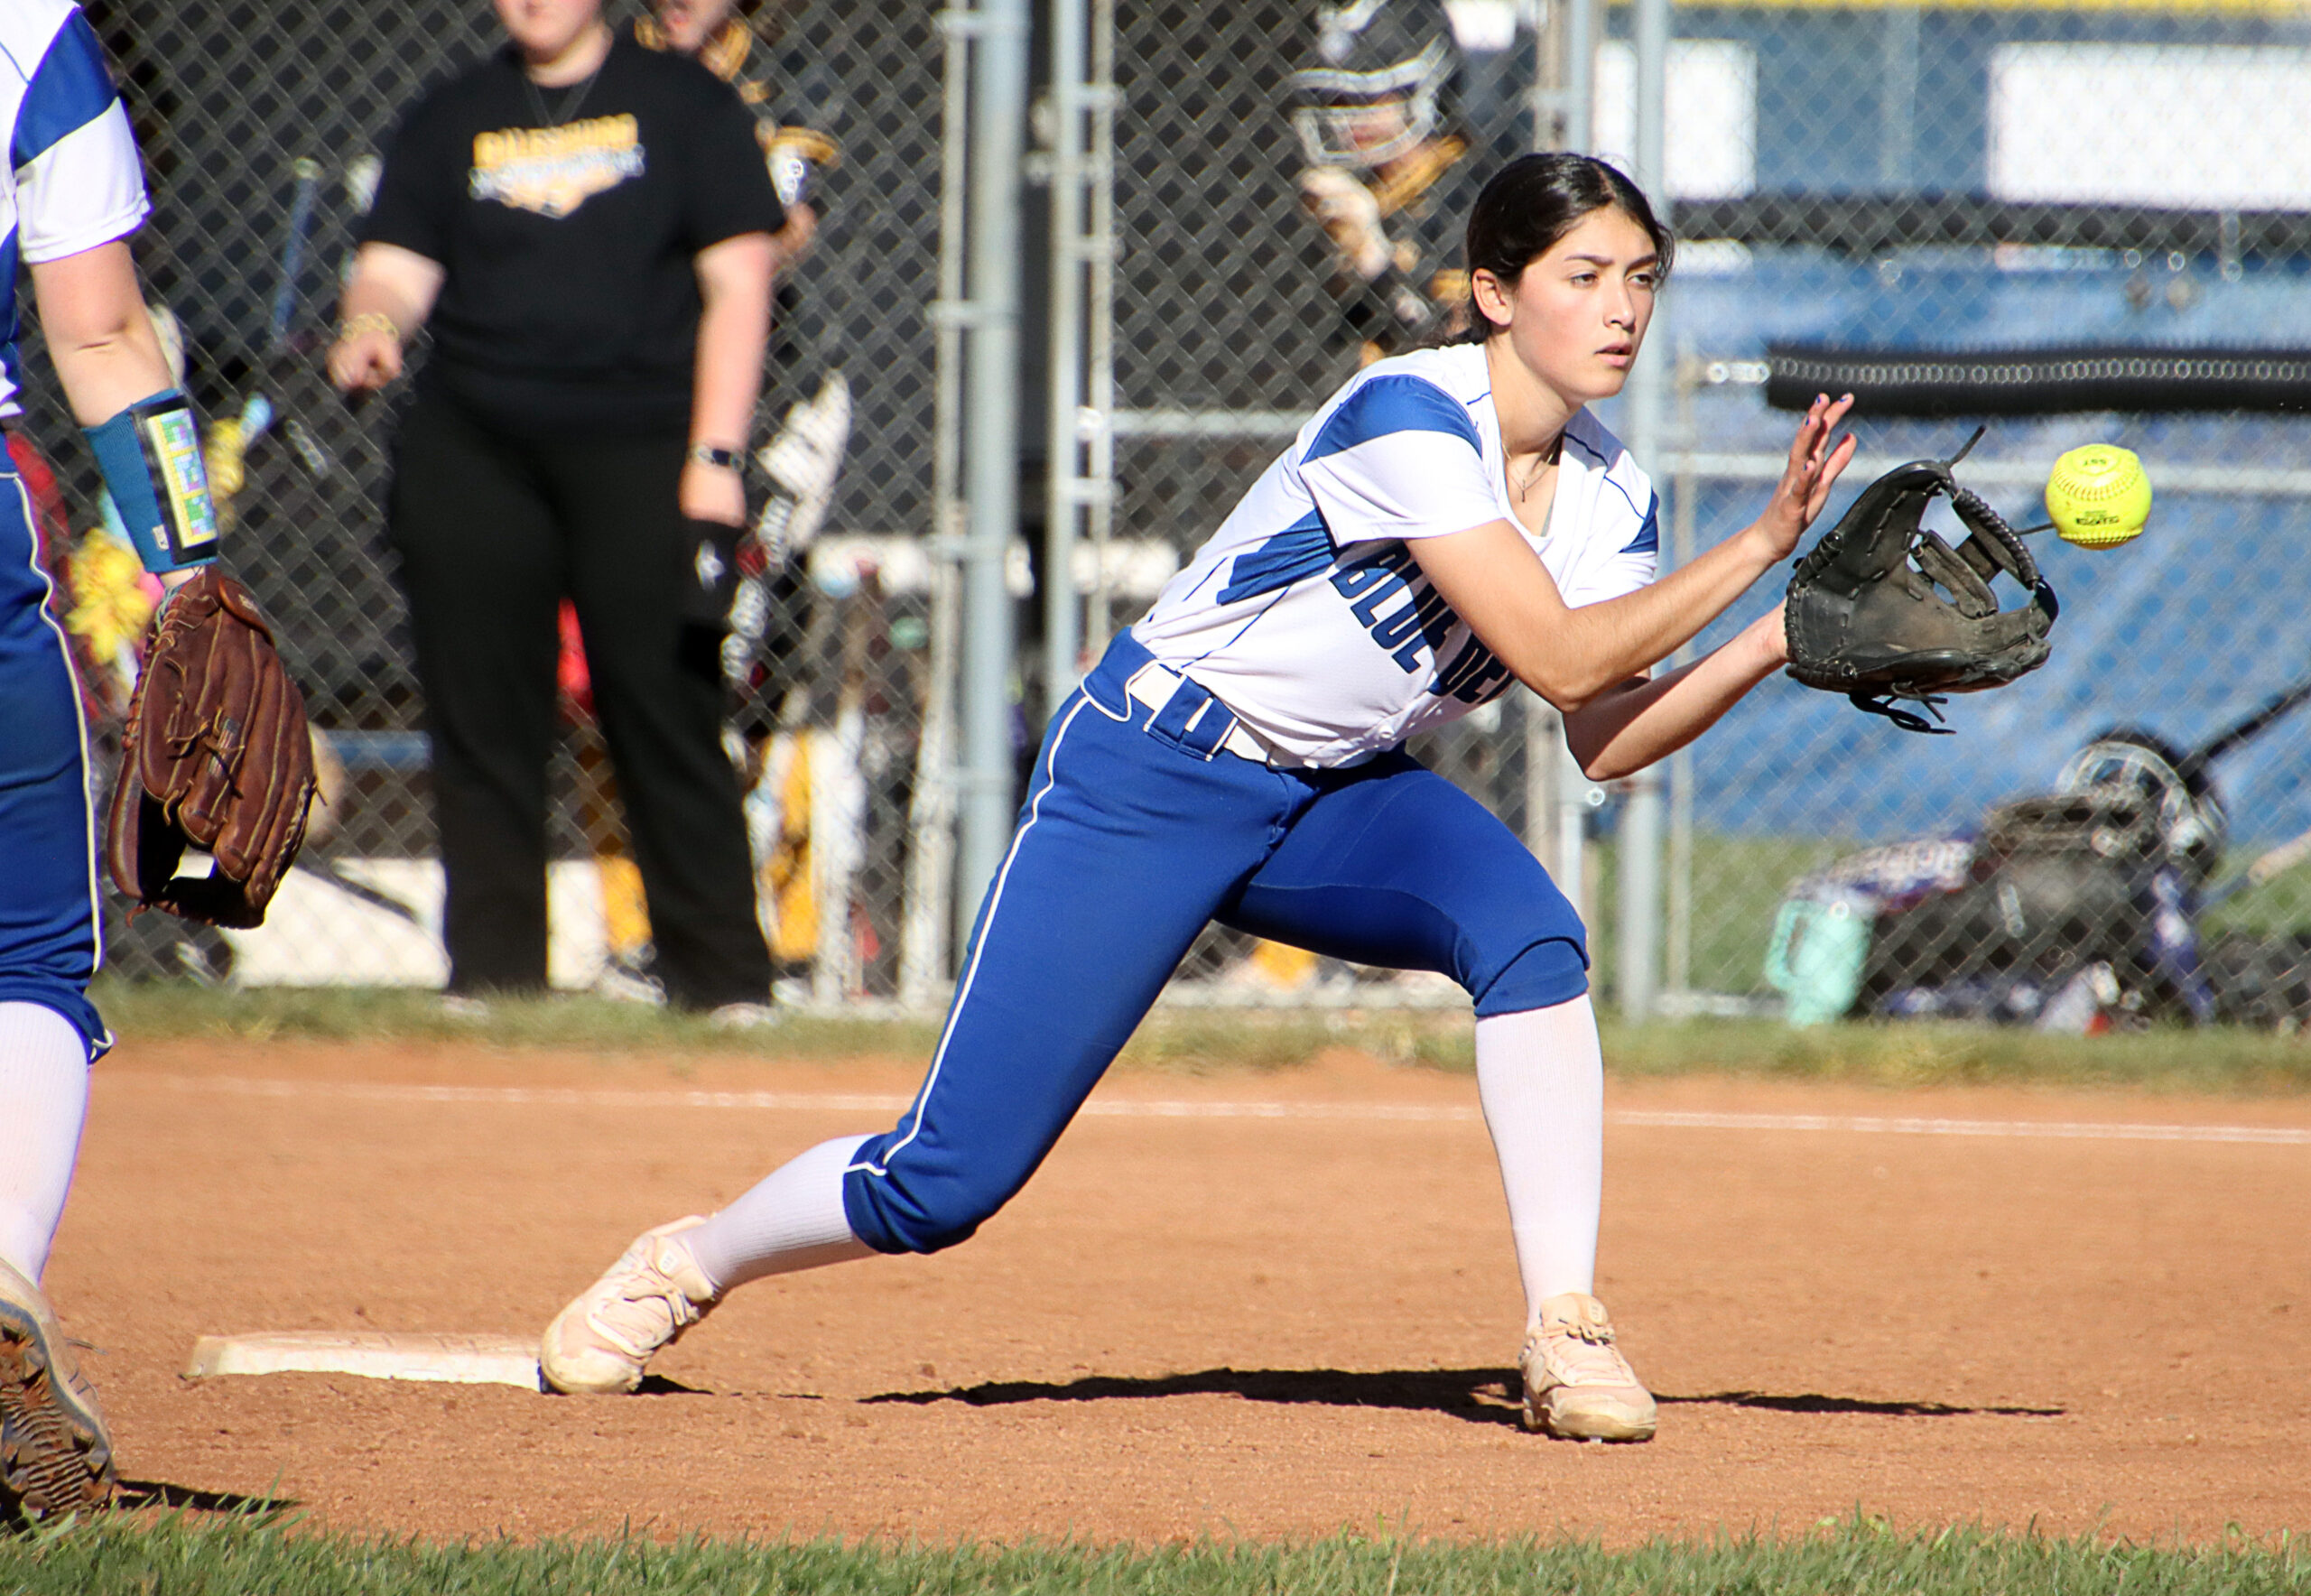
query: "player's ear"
1492, 298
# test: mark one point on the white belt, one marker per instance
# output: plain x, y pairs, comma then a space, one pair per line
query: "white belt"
1155, 685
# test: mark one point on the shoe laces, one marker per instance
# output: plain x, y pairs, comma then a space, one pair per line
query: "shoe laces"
1578, 1352
648, 1309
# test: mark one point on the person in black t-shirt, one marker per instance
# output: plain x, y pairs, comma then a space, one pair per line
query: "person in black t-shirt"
587, 228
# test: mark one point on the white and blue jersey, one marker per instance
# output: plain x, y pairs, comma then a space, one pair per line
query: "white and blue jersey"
1306, 613
73, 180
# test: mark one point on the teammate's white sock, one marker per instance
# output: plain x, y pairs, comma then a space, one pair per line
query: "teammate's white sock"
791, 1219
1541, 1079
43, 1102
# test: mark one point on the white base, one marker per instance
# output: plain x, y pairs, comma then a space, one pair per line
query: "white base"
380, 1355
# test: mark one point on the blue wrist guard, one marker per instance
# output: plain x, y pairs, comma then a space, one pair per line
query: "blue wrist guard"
149, 454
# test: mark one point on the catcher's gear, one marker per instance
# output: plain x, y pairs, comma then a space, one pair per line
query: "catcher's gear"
216, 757
1867, 614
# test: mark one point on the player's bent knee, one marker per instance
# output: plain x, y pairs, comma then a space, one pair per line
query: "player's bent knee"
1544, 974
894, 1209
888, 1226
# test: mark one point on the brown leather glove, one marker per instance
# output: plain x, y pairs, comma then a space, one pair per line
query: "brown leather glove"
216, 757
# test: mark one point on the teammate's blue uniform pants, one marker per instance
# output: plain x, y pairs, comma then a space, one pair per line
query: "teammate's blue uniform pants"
1137, 832
48, 938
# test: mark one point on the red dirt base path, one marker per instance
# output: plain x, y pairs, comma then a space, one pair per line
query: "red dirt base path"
1200, 1323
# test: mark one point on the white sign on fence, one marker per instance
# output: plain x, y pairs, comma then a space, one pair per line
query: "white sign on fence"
2200, 127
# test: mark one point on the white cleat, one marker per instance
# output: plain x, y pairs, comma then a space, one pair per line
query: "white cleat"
1577, 1385
55, 1454
599, 1345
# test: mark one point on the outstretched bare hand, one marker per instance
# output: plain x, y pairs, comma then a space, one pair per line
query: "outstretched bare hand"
1815, 458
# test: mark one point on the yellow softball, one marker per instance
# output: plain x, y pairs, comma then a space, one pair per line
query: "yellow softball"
2098, 497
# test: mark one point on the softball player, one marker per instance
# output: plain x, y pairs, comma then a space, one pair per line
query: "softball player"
72, 194
1451, 520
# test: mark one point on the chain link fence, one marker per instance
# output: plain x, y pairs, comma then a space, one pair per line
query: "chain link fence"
261, 125
1235, 316
1990, 197
1932, 184
1913, 184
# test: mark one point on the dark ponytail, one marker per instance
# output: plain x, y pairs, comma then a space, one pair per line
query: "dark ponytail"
1533, 202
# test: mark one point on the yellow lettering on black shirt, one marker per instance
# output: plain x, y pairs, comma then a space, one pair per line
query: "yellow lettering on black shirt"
553, 170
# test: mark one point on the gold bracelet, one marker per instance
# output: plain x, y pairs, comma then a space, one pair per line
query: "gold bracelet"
352, 327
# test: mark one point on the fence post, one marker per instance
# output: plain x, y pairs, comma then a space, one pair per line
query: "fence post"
1102, 250
1564, 61
1639, 942
929, 906
1082, 353
1580, 74
1677, 960
991, 435
1063, 487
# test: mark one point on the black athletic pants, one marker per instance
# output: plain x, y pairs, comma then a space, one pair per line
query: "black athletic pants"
493, 530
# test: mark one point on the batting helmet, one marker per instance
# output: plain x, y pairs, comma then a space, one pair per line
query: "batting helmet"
1374, 96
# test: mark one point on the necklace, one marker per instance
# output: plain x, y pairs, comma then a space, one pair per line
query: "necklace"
573, 95
1541, 463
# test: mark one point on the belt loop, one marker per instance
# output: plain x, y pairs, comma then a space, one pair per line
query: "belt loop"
1171, 722
1185, 714
1211, 730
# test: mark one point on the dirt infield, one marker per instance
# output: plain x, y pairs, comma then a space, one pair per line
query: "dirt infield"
1253, 1304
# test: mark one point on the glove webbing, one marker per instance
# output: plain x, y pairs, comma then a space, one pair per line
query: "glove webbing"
1884, 705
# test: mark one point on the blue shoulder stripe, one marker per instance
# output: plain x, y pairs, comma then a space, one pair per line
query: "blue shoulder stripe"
1297, 552
10, 319
67, 90
1393, 404
1647, 540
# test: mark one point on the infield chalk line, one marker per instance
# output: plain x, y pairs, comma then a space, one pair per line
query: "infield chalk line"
564, 1096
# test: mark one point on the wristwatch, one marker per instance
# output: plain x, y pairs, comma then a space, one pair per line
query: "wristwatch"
706, 454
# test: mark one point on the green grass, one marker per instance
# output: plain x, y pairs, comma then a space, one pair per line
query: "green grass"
2280, 906
2222, 1059
574, 1023
1911, 1053
1848, 1557
1198, 1042
1737, 888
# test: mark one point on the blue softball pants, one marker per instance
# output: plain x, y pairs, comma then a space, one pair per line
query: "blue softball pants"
50, 941
1136, 831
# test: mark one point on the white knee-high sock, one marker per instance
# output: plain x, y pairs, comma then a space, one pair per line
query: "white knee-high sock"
43, 1102
1541, 1079
791, 1219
